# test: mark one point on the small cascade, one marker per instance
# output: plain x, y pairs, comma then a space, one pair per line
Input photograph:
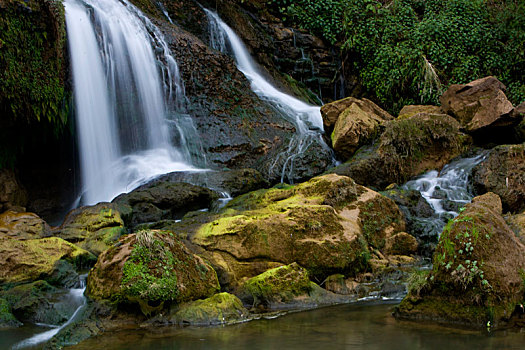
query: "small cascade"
306, 118
76, 298
446, 191
128, 98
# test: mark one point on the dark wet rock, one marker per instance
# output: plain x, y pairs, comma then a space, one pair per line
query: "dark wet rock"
516, 223
23, 225
160, 200
407, 147
94, 228
477, 271
234, 182
34, 303
7, 319
503, 172
152, 269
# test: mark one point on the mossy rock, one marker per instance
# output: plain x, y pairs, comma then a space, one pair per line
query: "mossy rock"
152, 269
7, 319
33, 303
23, 225
411, 110
477, 274
406, 148
222, 308
94, 228
30, 260
325, 225
276, 286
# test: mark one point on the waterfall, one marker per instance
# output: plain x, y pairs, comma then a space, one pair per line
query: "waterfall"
128, 98
446, 191
306, 118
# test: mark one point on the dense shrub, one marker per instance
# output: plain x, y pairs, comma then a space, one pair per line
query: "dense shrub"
406, 51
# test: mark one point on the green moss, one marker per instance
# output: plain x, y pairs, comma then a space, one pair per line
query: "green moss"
280, 284
222, 308
32, 88
7, 319
148, 273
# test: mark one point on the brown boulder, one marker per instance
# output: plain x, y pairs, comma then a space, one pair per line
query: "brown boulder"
331, 111
479, 104
401, 244
503, 172
23, 226
477, 271
354, 127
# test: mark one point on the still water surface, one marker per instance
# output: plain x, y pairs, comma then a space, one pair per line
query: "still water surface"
356, 326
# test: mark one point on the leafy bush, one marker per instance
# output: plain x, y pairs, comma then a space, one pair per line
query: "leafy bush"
406, 51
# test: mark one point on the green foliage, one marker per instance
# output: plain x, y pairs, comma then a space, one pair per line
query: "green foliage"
406, 51
32, 87
416, 281
148, 274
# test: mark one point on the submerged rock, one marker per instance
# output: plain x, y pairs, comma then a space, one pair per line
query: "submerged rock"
94, 228
325, 225
503, 172
33, 259
477, 273
406, 148
152, 269
23, 225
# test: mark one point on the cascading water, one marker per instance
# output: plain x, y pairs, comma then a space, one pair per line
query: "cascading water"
76, 298
306, 118
446, 191
128, 96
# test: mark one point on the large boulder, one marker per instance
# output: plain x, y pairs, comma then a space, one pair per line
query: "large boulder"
407, 147
332, 111
325, 225
477, 273
479, 105
503, 172
161, 200
152, 269
94, 228
12, 194
23, 225
33, 259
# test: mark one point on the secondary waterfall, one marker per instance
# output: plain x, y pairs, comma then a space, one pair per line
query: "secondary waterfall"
306, 118
128, 95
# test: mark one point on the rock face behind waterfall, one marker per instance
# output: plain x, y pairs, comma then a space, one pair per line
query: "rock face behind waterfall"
477, 273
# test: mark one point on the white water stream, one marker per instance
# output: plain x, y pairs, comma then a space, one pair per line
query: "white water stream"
127, 92
306, 118
76, 297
